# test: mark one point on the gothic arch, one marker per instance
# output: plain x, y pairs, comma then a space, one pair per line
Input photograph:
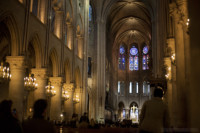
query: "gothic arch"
55, 64
11, 24
35, 42
133, 103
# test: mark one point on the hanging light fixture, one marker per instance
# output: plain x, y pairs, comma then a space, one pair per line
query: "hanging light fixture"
4, 72
30, 83
50, 90
76, 99
65, 95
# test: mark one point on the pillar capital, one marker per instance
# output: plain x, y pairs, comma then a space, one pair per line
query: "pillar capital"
39, 72
56, 81
69, 87
16, 62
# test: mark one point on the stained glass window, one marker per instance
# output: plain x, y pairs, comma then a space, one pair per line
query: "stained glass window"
122, 59
133, 51
145, 58
133, 59
145, 50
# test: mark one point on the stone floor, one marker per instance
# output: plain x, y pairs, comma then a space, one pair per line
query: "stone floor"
101, 130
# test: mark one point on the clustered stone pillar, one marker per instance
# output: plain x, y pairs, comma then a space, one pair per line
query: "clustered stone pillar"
41, 79
16, 85
55, 109
68, 105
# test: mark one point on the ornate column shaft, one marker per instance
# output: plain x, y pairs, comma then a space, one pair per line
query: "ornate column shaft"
55, 109
41, 78
16, 85
68, 105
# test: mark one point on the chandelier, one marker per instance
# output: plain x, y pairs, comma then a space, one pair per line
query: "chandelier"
4, 72
30, 83
65, 95
50, 90
76, 99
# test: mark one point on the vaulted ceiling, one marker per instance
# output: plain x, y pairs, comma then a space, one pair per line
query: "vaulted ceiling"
129, 22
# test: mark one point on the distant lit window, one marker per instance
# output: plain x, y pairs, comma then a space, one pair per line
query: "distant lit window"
130, 87
118, 87
146, 87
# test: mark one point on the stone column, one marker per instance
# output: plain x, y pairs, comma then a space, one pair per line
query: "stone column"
68, 105
180, 71
100, 81
80, 46
77, 106
58, 22
167, 62
55, 109
41, 79
16, 85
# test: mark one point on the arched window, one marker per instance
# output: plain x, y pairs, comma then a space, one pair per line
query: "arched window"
52, 17
90, 13
133, 59
145, 58
122, 59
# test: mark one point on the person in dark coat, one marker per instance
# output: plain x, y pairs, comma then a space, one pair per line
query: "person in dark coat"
38, 124
8, 123
154, 116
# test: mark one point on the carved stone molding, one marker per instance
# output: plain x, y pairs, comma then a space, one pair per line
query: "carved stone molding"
16, 62
69, 87
55, 81
39, 73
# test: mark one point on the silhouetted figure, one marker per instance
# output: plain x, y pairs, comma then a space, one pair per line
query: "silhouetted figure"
154, 116
8, 123
84, 121
38, 124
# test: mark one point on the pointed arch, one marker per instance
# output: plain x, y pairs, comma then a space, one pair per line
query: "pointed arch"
55, 64
11, 24
35, 42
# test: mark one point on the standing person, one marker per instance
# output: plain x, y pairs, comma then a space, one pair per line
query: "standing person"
154, 115
8, 123
38, 124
